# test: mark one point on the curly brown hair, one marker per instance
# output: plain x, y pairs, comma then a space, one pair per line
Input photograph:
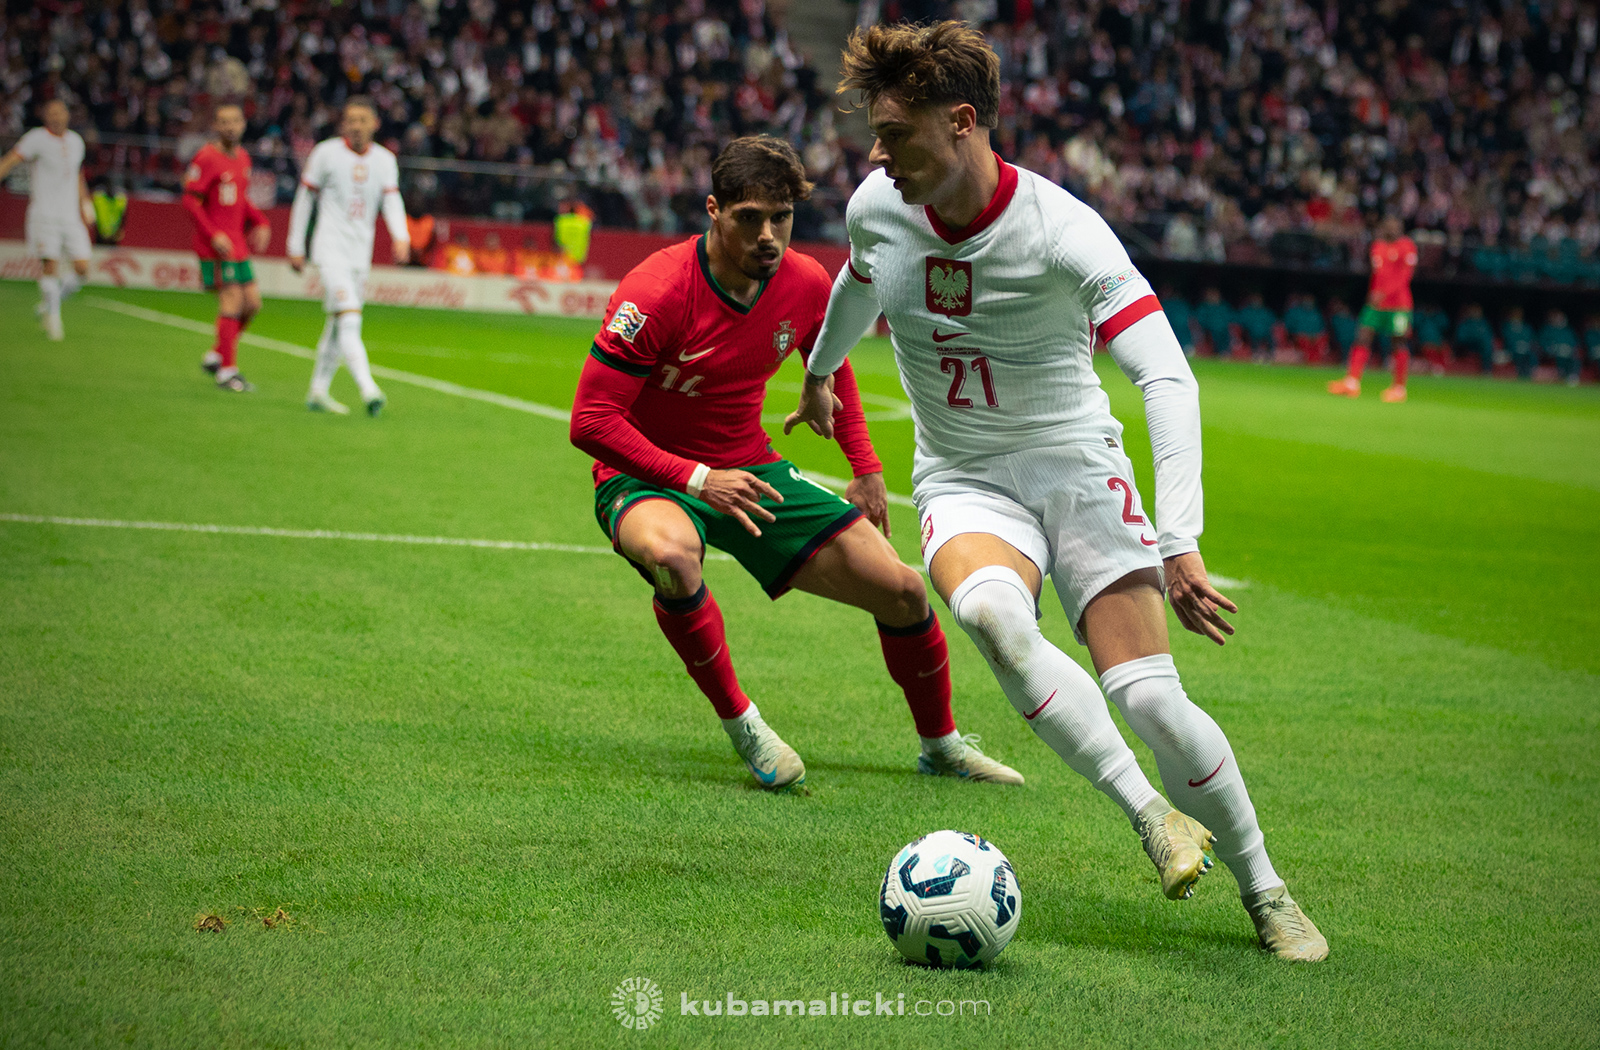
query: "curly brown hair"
758, 167
940, 62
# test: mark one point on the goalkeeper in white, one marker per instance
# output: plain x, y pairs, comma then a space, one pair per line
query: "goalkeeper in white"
996, 284
351, 178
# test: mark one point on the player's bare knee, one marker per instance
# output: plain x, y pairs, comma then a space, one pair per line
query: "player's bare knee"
673, 564
904, 601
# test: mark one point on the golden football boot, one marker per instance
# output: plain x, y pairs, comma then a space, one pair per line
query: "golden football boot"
1177, 845
1346, 387
1283, 928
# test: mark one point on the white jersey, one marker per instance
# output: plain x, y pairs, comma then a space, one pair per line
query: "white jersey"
55, 163
994, 327
351, 189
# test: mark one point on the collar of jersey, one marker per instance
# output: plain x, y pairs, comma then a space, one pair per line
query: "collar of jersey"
705, 268
997, 204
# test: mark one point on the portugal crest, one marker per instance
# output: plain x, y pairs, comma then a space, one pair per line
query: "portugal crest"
948, 286
783, 339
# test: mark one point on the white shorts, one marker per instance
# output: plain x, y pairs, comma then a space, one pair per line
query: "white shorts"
1072, 510
53, 238
343, 287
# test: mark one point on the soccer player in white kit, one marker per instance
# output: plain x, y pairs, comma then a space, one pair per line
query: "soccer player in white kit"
996, 284
352, 179
58, 208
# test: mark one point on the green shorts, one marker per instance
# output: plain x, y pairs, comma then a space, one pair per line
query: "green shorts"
808, 518
1392, 323
232, 272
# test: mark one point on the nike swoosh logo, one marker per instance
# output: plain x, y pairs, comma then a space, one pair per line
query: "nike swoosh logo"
1214, 772
765, 778
946, 338
936, 670
1147, 543
687, 356
713, 656
1044, 705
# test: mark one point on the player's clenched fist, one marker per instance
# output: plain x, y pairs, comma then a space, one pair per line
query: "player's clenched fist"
738, 494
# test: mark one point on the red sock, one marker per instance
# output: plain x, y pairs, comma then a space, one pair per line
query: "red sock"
919, 662
694, 627
228, 340
1358, 361
1402, 365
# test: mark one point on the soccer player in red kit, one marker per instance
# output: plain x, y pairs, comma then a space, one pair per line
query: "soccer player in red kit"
1388, 310
227, 228
669, 404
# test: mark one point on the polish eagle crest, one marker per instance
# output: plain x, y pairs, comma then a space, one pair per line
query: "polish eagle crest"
948, 286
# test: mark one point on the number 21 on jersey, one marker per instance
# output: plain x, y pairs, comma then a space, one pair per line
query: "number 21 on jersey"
956, 368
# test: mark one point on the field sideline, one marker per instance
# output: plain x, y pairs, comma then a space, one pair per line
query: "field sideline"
479, 783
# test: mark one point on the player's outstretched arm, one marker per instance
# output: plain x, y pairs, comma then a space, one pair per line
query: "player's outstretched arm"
1197, 603
299, 219
9, 162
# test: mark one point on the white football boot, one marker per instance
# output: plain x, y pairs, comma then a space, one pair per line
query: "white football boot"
325, 403
774, 764
958, 756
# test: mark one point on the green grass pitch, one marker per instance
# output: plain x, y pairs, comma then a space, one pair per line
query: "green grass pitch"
486, 793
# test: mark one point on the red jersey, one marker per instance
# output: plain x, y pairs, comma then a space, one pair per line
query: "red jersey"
678, 374
1393, 263
214, 193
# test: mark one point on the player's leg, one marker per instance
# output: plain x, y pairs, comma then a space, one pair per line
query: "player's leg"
992, 590
1360, 354
657, 535
858, 567
75, 246
45, 244
1399, 355
318, 399
351, 344
230, 301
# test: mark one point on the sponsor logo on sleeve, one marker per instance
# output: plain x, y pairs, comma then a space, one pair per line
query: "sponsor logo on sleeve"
627, 321
1115, 281
948, 286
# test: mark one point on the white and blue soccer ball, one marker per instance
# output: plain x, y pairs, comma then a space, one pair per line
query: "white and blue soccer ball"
950, 899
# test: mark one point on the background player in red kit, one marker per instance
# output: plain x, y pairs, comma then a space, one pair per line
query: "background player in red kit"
669, 404
227, 228
1388, 310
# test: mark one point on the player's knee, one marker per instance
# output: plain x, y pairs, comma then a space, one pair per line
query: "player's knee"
1148, 693
995, 608
904, 600
674, 564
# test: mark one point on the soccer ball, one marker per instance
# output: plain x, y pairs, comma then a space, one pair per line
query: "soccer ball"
950, 899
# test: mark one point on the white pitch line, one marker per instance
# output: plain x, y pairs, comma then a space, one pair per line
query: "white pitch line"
306, 352
438, 385
319, 534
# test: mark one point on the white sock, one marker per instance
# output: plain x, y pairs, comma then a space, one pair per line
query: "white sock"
327, 359
50, 292
70, 283
1197, 765
1046, 686
355, 355
733, 725
950, 742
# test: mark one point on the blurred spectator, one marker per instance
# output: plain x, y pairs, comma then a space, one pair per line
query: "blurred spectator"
1258, 323
1591, 339
492, 258
1474, 337
528, 259
1217, 321
421, 227
1432, 327
572, 228
1517, 337
1558, 340
1341, 326
456, 257
1181, 316
1304, 325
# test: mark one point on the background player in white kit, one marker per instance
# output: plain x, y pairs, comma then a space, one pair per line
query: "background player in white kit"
352, 178
58, 208
996, 283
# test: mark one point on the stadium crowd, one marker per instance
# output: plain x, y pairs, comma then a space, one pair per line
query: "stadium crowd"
1226, 130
